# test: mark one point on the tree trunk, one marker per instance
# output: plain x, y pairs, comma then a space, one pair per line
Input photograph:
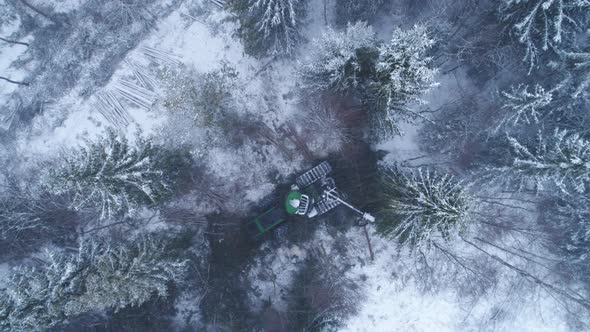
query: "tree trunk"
369, 243
566, 293
13, 41
14, 82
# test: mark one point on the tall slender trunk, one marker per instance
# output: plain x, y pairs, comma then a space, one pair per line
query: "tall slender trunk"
566, 293
13, 41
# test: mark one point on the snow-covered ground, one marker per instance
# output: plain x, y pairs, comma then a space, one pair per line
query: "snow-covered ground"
392, 299
396, 303
202, 44
394, 296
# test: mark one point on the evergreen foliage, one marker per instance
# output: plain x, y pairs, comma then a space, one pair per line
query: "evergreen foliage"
418, 207
340, 61
351, 11
387, 79
99, 277
269, 27
573, 234
206, 98
561, 159
216, 96
524, 106
577, 65
403, 74
545, 24
116, 177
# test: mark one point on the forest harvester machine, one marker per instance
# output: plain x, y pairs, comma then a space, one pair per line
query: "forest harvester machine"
313, 194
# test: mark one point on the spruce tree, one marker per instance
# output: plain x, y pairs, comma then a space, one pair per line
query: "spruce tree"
99, 277
351, 11
402, 75
387, 79
125, 275
38, 295
269, 27
577, 65
340, 62
524, 106
116, 177
544, 24
561, 159
419, 207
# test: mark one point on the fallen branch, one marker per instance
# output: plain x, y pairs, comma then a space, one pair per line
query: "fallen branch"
13, 41
14, 82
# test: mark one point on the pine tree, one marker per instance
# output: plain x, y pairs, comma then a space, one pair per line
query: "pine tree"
562, 159
544, 24
420, 206
351, 11
115, 177
403, 74
98, 278
269, 27
524, 106
340, 61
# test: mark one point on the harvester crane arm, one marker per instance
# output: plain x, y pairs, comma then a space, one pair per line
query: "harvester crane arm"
366, 216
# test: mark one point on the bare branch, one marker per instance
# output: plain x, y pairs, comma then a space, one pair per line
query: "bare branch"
13, 41
14, 82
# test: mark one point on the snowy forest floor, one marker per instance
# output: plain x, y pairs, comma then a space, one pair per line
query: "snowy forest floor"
242, 169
